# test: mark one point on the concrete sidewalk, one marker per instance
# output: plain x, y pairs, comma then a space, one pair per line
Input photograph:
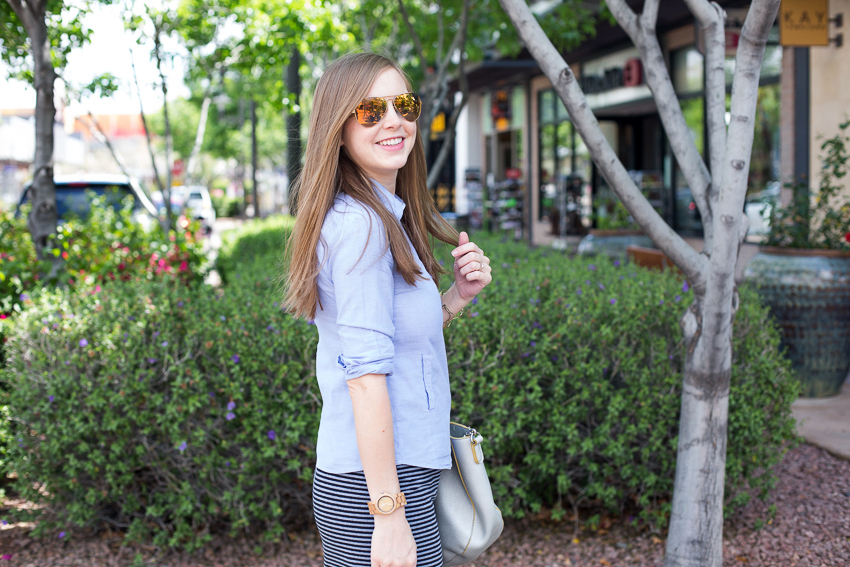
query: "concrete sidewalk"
825, 422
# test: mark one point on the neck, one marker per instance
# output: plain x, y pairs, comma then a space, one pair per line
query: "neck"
388, 182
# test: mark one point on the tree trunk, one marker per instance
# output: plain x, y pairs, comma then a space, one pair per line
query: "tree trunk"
199, 137
293, 123
42, 193
254, 192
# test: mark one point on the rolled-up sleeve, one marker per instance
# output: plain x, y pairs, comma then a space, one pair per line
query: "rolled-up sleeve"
361, 267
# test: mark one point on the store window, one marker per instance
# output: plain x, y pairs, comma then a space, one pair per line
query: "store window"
565, 169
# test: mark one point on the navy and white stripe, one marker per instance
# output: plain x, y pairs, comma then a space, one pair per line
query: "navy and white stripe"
340, 506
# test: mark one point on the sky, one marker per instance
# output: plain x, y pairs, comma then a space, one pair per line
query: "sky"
108, 52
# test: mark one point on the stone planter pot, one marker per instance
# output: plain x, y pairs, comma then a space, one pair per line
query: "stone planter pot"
808, 292
612, 242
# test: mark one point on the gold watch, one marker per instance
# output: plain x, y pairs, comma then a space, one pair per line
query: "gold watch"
387, 503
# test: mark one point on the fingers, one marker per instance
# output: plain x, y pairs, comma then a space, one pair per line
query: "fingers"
472, 262
463, 238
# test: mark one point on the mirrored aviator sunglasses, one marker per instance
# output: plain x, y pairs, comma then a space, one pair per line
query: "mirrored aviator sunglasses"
370, 111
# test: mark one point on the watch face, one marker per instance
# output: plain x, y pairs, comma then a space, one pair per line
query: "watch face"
386, 503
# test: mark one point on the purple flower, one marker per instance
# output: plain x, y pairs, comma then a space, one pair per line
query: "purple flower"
270, 328
442, 263
227, 463
125, 335
165, 343
613, 301
671, 357
685, 287
526, 354
578, 291
592, 267
235, 358
84, 342
182, 447
179, 304
230, 415
586, 282
67, 362
275, 303
311, 322
616, 262
533, 343
259, 411
678, 298
7, 557
24, 297
50, 399
231, 406
601, 286
504, 264
474, 314
661, 302
131, 318
554, 358
61, 535
4, 523
151, 361
156, 333
475, 301
141, 378
272, 435
212, 394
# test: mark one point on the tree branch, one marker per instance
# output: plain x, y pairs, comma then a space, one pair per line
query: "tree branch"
711, 18
417, 42
559, 73
658, 79
649, 15
145, 126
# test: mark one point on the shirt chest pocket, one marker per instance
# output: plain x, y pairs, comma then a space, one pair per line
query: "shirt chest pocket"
427, 384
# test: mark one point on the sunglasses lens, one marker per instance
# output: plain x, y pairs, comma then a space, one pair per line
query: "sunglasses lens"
408, 105
370, 111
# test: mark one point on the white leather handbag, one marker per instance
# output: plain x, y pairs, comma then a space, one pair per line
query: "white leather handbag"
468, 518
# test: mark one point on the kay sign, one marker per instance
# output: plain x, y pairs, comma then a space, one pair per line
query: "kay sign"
804, 22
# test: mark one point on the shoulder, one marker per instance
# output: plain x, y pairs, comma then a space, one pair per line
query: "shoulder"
351, 219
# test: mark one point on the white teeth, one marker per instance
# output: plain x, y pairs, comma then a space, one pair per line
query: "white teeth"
390, 142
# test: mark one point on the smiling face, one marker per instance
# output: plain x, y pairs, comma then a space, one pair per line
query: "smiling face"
381, 150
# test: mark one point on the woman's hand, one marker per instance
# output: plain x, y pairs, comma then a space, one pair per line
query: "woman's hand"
471, 268
392, 541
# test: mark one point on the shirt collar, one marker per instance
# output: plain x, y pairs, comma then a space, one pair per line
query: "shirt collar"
392, 201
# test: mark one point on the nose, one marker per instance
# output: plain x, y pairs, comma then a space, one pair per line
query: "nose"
392, 119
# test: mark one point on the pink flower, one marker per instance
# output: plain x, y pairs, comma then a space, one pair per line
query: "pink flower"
184, 265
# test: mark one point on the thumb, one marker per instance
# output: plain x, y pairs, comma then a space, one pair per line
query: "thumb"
463, 238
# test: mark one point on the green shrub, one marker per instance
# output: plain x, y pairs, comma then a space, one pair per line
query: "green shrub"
577, 395
572, 370
163, 409
227, 206
255, 250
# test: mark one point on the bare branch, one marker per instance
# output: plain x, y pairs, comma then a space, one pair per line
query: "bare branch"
417, 42
649, 16
711, 18
559, 73
145, 125
657, 77
101, 137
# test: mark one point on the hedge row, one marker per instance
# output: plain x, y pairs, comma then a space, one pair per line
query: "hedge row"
170, 409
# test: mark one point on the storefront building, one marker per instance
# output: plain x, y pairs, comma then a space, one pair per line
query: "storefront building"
521, 166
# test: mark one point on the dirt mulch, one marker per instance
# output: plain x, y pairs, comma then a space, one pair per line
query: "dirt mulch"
811, 528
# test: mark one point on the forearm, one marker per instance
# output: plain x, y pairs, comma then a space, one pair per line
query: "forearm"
373, 424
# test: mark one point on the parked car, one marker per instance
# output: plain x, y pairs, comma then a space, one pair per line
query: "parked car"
758, 207
71, 196
199, 205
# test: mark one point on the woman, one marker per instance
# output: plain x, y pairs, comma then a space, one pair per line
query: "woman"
362, 268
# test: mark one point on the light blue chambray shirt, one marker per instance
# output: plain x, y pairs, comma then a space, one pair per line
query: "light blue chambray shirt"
372, 322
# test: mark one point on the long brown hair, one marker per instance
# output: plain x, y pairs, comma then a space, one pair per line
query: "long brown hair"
329, 171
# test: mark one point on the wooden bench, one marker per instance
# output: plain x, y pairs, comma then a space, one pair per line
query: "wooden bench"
650, 258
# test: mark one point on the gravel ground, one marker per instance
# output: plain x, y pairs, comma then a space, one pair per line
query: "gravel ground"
811, 528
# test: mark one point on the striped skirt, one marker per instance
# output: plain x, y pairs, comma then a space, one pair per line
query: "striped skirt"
345, 526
